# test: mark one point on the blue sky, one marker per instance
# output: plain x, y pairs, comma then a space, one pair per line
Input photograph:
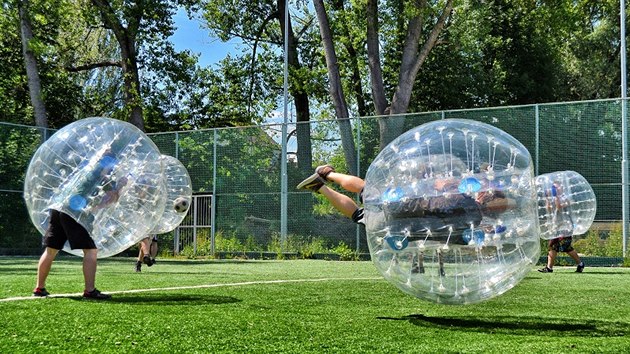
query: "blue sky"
190, 35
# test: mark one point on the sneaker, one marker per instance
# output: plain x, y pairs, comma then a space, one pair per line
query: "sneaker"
580, 267
40, 292
441, 271
138, 267
324, 171
147, 260
95, 295
546, 270
313, 182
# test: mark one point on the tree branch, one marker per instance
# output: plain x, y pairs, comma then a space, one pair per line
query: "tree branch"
93, 66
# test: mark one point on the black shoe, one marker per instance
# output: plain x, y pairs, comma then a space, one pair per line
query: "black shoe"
147, 260
580, 267
95, 295
442, 274
40, 292
138, 267
546, 270
313, 182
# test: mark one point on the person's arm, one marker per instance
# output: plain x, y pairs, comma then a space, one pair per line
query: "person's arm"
445, 184
112, 196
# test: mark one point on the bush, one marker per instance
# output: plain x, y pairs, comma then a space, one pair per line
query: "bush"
595, 246
345, 253
591, 245
297, 246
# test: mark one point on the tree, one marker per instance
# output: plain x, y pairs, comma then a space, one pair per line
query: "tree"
260, 26
591, 52
336, 89
34, 82
418, 16
129, 22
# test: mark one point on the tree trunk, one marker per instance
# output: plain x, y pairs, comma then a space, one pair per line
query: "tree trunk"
302, 107
133, 98
376, 73
127, 42
374, 61
336, 90
355, 79
32, 73
412, 60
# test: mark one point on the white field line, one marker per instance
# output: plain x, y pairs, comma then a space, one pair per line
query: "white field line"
204, 286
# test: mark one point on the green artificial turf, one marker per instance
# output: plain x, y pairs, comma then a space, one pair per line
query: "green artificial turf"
327, 307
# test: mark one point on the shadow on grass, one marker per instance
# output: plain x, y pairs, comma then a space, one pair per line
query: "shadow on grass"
210, 261
591, 271
18, 270
559, 327
186, 300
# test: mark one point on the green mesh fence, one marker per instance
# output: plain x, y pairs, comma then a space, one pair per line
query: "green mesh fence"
241, 168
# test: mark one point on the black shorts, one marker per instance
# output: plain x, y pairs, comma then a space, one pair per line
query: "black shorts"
64, 228
561, 244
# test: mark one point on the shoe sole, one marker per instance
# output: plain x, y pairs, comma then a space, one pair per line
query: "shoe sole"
307, 181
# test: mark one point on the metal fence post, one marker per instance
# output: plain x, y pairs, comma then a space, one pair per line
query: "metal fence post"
214, 194
624, 127
358, 145
537, 143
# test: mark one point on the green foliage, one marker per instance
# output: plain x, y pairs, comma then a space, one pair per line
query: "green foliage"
594, 245
228, 245
614, 243
591, 245
345, 253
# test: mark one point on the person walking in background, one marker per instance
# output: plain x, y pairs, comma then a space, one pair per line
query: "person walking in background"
561, 244
556, 205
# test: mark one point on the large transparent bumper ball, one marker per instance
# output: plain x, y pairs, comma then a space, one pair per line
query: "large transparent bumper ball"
178, 195
450, 212
566, 204
106, 174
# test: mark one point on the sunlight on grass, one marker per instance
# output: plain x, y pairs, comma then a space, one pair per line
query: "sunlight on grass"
353, 311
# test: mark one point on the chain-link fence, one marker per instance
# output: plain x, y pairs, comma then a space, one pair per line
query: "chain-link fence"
241, 168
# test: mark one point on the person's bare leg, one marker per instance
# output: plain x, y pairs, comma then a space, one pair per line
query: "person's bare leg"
44, 265
340, 201
440, 263
89, 268
350, 183
573, 254
418, 263
153, 246
145, 246
141, 251
551, 258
